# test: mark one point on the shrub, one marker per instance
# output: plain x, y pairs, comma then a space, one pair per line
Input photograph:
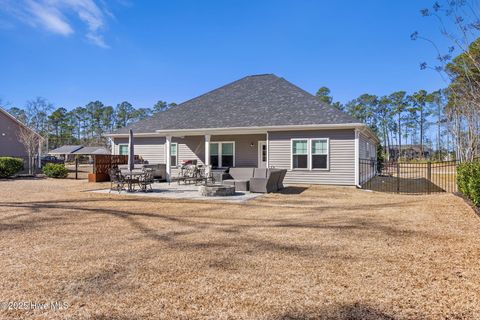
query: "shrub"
468, 180
9, 166
55, 170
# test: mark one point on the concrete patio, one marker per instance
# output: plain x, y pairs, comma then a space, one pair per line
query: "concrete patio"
189, 191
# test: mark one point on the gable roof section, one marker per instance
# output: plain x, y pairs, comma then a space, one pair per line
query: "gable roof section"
19, 122
253, 101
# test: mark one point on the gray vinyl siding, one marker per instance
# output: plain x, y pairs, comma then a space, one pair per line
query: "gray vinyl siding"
9, 142
151, 149
341, 157
367, 147
246, 155
367, 151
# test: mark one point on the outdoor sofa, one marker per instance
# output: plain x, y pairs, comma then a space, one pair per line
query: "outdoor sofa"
260, 180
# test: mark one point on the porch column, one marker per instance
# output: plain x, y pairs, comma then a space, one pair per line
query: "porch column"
207, 151
168, 158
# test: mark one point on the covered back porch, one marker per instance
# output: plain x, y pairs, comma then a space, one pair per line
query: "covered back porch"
218, 150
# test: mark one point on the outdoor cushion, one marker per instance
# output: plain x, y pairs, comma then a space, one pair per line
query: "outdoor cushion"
265, 185
240, 185
241, 173
260, 173
283, 173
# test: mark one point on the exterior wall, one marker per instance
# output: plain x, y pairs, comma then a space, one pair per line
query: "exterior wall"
9, 144
150, 149
367, 151
245, 154
341, 156
367, 147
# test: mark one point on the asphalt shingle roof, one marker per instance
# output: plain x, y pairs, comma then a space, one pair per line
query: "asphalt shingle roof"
253, 101
67, 149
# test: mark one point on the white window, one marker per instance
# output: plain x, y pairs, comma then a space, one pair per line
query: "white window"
310, 154
300, 154
173, 154
222, 154
123, 149
319, 154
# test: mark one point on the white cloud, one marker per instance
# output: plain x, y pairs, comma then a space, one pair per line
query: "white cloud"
53, 16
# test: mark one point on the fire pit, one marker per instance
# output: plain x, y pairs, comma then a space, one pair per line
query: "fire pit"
216, 190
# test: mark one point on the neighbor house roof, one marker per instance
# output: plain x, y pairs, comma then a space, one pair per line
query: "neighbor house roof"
65, 149
79, 150
254, 101
92, 151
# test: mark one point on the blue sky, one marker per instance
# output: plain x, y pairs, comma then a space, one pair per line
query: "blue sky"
75, 51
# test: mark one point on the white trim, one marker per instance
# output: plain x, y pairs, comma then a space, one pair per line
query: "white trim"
260, 153
291, 154
168, 142
122, 144
328, 155
309, 154
357, 159
220, 143
241, 130
176, 154
250, 130
268, 152
207, 150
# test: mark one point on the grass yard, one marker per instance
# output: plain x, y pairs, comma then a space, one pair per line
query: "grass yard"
321, 252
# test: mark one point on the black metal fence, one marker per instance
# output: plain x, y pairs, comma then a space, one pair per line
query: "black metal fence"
408, 177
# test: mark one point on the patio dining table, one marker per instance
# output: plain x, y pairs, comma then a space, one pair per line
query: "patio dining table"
132, 178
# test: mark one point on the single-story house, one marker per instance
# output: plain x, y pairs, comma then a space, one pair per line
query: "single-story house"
257, 121
10, 143
410, 151
68, 152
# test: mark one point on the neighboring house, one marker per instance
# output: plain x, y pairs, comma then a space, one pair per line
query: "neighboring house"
10, 144
68, 152
257, 121
410, 151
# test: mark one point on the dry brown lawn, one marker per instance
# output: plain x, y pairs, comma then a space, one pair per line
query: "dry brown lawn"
323, 252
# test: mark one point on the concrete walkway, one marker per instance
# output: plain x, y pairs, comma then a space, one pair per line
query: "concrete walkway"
175, 191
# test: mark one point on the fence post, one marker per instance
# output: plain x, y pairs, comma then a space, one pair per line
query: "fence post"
398, 177
76, 167
429, 171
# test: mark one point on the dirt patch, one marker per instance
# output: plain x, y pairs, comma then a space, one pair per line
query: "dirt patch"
306, 253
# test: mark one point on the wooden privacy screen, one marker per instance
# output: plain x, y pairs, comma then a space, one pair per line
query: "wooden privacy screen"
103, 163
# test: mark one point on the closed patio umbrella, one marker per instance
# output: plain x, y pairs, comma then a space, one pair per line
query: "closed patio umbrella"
131, 156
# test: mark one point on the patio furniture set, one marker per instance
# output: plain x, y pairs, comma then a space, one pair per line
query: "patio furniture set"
261, 180
197, 174
143, 178
211, 182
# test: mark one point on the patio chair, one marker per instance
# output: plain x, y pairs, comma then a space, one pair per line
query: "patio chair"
267, 184
146, 180
187, 174
117, 181
239, 178
204, 175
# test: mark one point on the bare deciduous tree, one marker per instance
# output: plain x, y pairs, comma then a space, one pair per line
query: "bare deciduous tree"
30, 141
459, 22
